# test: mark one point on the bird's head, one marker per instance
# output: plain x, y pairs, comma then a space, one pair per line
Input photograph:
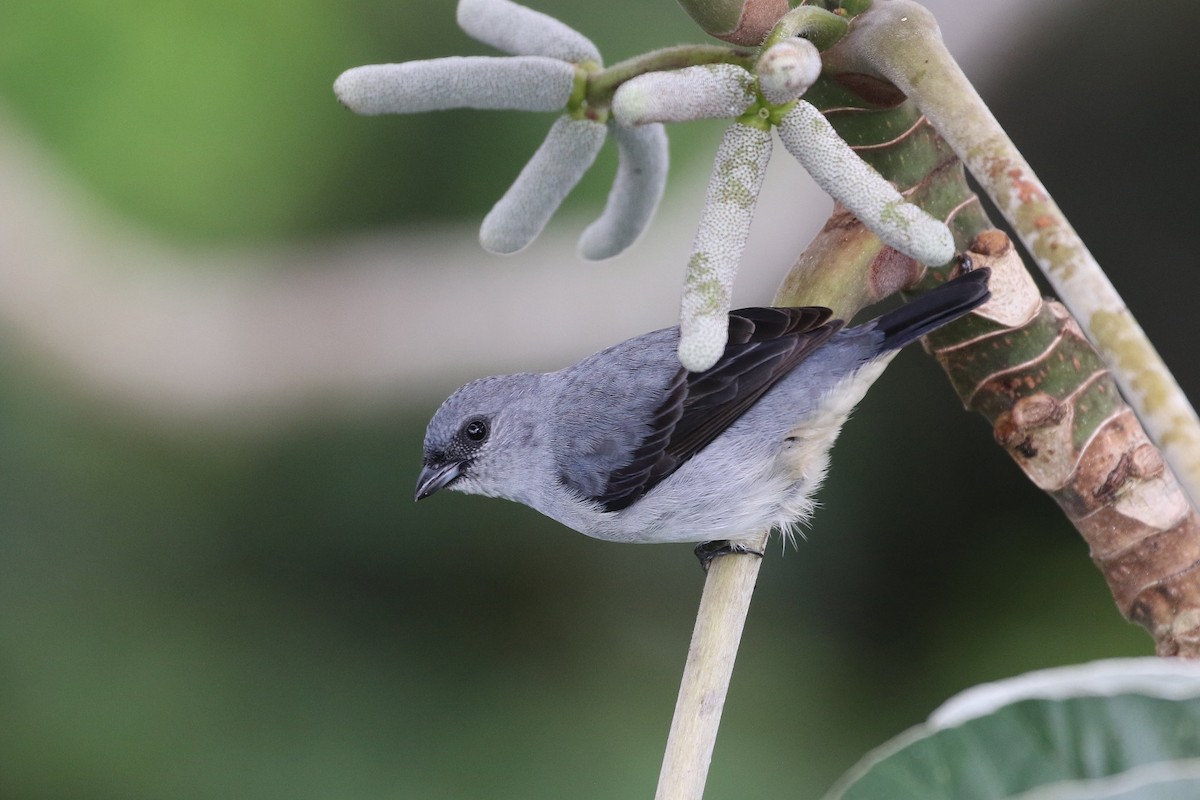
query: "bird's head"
481, 435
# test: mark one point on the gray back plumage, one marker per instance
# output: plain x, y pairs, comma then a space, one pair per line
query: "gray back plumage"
608, 407
641, 415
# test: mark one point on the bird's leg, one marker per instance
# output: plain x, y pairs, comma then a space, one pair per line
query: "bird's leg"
706, 552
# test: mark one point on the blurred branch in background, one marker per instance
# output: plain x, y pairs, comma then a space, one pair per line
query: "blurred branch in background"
136, 320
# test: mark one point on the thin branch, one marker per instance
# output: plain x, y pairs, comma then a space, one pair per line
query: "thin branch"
603, 83
719, 623
815, 24
729, 587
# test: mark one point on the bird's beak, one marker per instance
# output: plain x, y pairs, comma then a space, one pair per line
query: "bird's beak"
436, 476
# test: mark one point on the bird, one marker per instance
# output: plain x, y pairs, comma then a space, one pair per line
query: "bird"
628, 446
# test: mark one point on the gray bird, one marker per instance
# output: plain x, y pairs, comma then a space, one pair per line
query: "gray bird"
628, 446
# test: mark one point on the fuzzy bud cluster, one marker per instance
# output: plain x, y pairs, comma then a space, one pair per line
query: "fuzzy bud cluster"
549, 69
548, 61
783, 73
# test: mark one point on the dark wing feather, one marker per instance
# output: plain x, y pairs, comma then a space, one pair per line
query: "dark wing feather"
627, 484
765, 344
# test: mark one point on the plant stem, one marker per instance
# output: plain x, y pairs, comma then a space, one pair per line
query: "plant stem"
720, 619
602, 83
899, 40
819, 26
729, 585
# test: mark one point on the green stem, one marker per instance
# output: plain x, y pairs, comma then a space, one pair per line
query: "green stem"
714, 17
603, 83
899, 41
822, 28
852, 8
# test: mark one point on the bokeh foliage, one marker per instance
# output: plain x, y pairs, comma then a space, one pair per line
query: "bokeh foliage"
212, 122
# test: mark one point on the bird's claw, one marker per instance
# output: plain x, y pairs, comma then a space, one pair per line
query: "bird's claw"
707, 552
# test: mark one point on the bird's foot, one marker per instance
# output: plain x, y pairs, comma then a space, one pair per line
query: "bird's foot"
707, 552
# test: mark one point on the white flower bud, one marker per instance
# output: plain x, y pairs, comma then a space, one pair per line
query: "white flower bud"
714, 91
787, 69
522, 31
521, 214
838, 170
525, 83
721, 237
641, 179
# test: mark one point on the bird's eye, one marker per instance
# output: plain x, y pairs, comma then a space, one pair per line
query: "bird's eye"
476, 430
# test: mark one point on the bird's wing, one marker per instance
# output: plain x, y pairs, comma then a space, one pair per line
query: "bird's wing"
685, 411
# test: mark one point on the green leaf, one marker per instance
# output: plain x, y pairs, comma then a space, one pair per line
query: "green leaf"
1127, 729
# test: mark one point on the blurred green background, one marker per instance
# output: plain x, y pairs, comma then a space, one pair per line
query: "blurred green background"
210, 610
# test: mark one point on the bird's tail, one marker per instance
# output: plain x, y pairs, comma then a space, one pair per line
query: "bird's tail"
934, 309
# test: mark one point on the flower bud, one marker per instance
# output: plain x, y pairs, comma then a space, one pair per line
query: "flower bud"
641, 179
838, 170
522, 31
713, 91
787, 69
729, 203
525, 83
521, 214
